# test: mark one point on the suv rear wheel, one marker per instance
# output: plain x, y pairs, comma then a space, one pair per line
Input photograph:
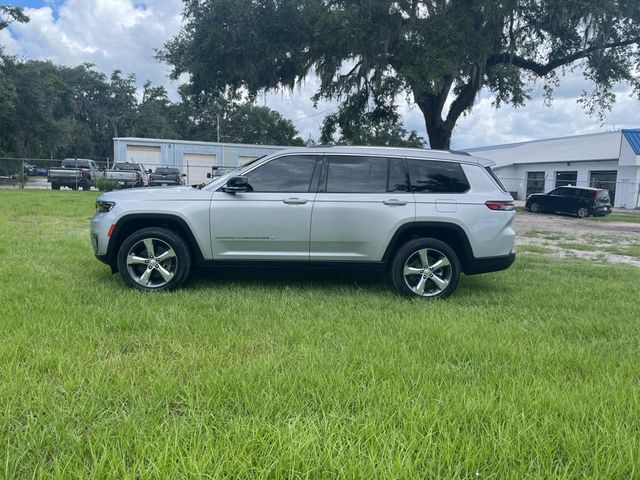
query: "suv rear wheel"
426, 268
582, 212
154, 259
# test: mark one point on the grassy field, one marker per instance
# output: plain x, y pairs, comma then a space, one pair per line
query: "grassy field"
530, 373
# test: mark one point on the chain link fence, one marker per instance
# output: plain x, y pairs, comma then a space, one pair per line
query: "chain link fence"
34, 173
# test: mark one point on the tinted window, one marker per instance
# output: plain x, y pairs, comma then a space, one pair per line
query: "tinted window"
167, 171
285, 174
353, 174
562, 192
398, 181
428, 176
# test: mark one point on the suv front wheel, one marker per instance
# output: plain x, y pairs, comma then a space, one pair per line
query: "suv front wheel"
426, 268
154, 259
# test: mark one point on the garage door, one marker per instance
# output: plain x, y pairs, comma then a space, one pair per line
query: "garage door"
196, 166
147, 156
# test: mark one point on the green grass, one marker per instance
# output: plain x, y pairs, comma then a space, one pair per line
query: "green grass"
528, 373
629, 250
532, 248
631, 217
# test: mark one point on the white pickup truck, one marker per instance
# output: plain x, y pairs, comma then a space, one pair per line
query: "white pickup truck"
74, 173
129, 174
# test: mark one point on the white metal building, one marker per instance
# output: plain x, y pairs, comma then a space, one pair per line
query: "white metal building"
195, 159
608, 160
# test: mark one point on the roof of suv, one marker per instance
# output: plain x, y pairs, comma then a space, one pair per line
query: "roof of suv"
582, 188
396, 151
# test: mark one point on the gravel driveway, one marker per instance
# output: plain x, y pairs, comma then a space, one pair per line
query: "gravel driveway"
565, 236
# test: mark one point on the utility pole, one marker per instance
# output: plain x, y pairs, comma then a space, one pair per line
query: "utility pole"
218, 126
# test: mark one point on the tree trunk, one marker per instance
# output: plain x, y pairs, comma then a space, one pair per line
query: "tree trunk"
431, 106
439, 137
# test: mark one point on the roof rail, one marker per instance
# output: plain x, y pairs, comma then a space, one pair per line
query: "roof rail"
459, 152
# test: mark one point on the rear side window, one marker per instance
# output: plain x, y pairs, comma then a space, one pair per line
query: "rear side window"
430, 176
356, 174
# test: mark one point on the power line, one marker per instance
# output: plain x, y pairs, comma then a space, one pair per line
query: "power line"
315, 114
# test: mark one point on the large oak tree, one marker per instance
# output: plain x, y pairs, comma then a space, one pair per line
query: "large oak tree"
440, 53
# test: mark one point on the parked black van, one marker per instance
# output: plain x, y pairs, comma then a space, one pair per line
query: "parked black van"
580, 201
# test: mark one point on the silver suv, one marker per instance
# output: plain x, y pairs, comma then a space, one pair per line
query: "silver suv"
422, 216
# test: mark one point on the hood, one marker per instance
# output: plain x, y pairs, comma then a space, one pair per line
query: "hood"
151, 194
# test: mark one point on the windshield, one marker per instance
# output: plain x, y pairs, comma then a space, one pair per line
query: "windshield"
125, 166
75, 163
232, 171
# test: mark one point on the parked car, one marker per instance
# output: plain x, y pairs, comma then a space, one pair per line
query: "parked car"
128, 174
422, 217
580, 201
74, 173
165, 176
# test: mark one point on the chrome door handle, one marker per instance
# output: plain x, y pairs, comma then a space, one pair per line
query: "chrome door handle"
295, 201
394, 201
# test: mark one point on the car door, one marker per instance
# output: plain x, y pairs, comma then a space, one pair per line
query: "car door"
555, 200
361, 202
272, 221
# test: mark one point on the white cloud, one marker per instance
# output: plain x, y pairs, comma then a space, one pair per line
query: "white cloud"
112, 34
124, 35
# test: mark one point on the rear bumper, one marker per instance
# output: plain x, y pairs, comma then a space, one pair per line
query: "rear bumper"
159, 183
489, 264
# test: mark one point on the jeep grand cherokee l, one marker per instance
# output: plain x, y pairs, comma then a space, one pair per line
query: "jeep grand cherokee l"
422, 216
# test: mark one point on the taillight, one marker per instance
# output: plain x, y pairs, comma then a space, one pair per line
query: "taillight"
504, 205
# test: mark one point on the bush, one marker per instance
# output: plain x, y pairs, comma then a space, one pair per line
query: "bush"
107, 184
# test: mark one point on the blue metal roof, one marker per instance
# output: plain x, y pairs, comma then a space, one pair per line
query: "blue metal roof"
633, 137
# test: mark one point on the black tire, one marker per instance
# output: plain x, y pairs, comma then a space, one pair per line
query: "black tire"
438, 283
535, 208
55, 186
582, 212
178, 265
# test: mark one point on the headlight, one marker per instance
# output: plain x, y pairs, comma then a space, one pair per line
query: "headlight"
104, 207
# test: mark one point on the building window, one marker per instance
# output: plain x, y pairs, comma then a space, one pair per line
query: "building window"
564, 179
604, 179
535, 182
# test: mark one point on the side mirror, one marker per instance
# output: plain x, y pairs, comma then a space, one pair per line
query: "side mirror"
209, 175
150, 171
236, 185
102, 169
184, 175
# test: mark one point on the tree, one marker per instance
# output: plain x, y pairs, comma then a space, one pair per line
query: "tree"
156, 115
233, 119
10, 14
439, 53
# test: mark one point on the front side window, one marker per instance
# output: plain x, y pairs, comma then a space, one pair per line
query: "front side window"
431, 176
356, 174
284, 174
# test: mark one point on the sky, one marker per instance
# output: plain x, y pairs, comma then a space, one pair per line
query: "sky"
124, 35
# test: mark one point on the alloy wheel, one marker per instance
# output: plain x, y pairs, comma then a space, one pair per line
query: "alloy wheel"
427, 272
152, 263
